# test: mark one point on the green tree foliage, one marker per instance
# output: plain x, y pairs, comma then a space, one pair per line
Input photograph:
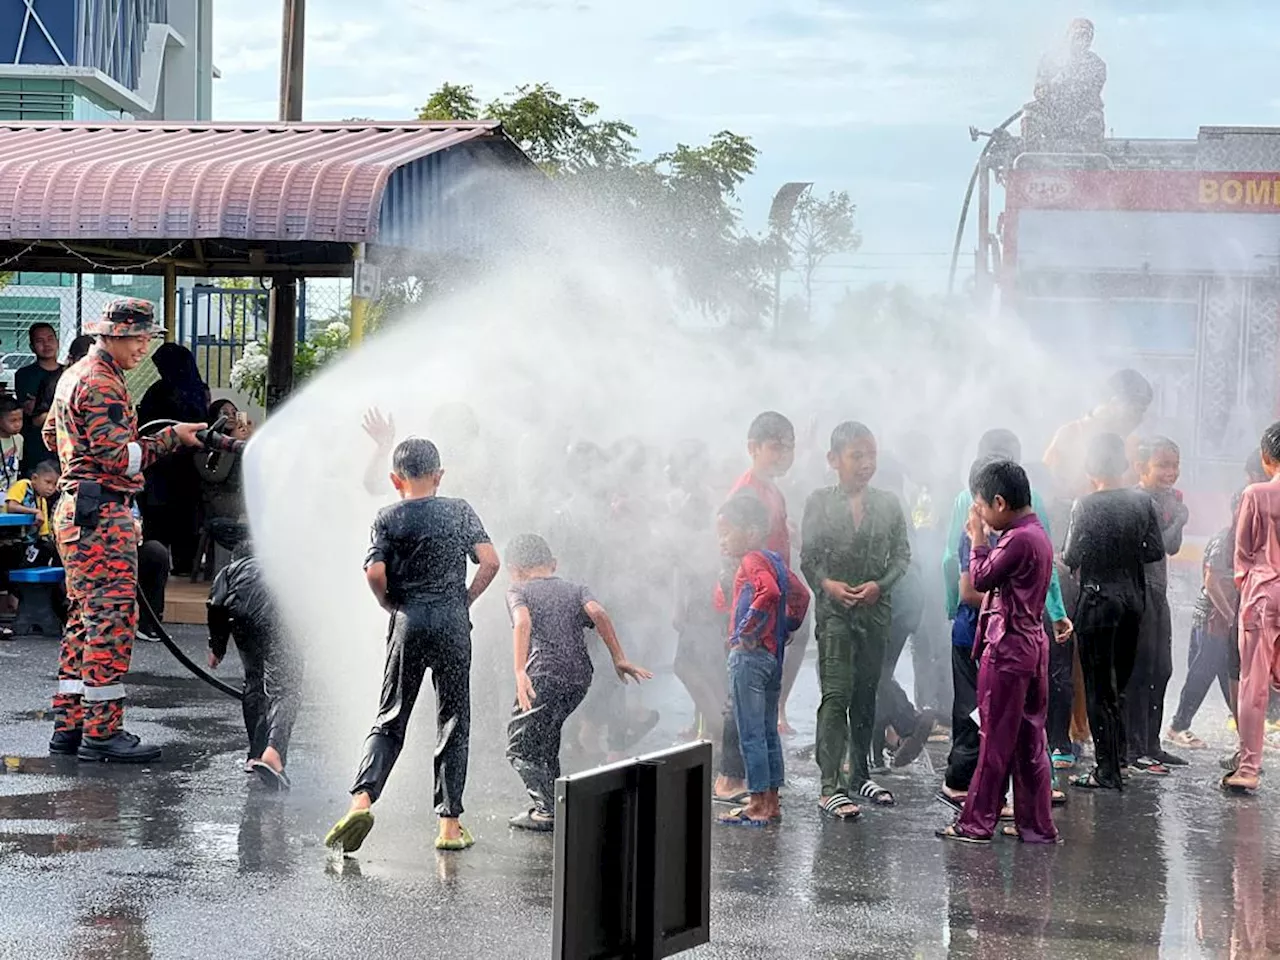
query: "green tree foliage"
680, 205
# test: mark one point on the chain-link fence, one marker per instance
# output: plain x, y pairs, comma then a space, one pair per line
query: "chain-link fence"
216, 319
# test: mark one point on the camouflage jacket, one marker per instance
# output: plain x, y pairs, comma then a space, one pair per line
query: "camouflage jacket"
93, 428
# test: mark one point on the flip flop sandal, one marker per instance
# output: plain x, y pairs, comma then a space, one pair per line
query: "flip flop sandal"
1012, 833
1239, 789
1064, 761
913, 745
832, 806
955, 803
1006, 813
457, 843
1058, 798
877, 794
953, 833
277, 781
736, 800
532, 821
737, 817
1230, 764
348, 834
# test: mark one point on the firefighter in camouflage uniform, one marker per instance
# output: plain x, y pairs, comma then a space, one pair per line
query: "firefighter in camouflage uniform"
93, 428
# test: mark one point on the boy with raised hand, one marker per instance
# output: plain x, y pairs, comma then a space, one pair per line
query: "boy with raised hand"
854, 550
417, 568
1013, 650
552, 668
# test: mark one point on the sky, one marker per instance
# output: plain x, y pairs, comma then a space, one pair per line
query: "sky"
867, 96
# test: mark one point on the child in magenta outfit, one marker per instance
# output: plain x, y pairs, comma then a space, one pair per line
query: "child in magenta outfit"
769, 602
1257, 575
1013, 650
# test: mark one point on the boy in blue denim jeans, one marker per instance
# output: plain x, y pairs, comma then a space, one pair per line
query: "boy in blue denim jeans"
769, 603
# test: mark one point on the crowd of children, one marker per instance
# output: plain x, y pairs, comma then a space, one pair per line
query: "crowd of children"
1055, 643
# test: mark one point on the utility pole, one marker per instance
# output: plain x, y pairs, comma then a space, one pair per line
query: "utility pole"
282, 327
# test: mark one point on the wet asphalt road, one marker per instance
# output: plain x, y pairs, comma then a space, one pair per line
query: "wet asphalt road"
188, 859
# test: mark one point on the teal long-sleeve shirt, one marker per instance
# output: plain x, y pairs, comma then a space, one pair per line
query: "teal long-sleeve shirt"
951, 563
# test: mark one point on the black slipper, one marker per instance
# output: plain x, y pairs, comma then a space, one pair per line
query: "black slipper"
535, 824
955, 803
269, 778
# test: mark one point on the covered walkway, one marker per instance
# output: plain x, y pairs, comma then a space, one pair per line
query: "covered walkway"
254, 199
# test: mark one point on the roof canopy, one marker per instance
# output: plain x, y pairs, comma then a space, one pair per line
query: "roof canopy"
229, 199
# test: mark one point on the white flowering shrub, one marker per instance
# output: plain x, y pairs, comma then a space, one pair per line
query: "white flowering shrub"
249, 373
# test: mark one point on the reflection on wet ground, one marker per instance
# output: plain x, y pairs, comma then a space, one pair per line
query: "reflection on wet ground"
187, 859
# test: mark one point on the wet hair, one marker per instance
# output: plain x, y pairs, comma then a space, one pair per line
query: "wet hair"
976, 468
415, 458
45, 468
528, 552
36, 328
770, 426
1000, 442
243, 550
745, 511
1148, 447
1253, 467
1106, 457
1005, 479
1271, 442
80, 347
8, 405
1131, 387
847, 433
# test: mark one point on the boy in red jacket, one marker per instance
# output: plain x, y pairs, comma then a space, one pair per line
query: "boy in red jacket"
769, 602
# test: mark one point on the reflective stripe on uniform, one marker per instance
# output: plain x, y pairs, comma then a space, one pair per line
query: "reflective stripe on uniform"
71, 686
135, 460
112, 691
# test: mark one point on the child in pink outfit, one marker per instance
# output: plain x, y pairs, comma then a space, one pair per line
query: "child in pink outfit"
1257, 575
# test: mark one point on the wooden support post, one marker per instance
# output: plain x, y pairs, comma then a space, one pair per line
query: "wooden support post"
282, 332
170, 303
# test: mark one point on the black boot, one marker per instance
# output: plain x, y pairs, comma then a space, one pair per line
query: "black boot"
121, 747
65, 742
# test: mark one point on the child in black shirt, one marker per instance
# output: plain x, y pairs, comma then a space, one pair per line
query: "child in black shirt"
1113, 534
553, 668
417, 568
241, 607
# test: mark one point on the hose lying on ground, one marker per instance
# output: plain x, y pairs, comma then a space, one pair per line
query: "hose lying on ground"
167, 640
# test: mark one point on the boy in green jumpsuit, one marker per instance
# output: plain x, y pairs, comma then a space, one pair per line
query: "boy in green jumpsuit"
853, 550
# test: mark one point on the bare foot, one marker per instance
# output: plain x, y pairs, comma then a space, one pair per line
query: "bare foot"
725, 787
450, 828
272, 759
361, 801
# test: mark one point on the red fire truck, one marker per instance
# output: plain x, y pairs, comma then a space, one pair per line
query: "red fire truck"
1163, 255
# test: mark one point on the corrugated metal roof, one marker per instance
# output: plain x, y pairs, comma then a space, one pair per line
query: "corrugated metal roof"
318, 182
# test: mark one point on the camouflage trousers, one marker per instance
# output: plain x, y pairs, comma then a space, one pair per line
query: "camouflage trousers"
97, 643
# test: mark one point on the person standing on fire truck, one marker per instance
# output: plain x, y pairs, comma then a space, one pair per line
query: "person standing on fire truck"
1068, 91
93, 428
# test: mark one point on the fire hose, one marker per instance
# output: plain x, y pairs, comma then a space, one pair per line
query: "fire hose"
968, 198
167, 640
